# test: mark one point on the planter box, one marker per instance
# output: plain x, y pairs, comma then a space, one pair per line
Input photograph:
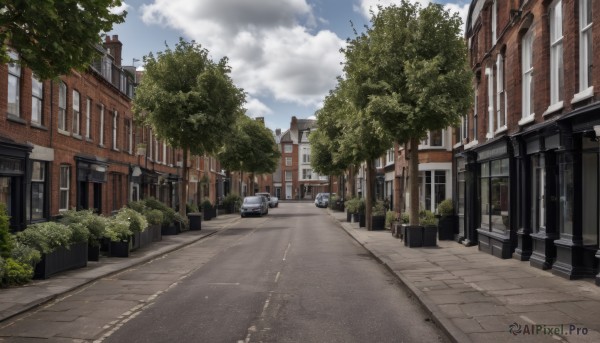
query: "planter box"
430, 236
94, 253
378, 223
119, 249
413, 236
155, 232
145, 237
348, 217
447, 228
135, 241
207, 213
355, 217
195, 221
62, 259
362, 220
169, 230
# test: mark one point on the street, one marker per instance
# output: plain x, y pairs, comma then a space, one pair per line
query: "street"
290, 276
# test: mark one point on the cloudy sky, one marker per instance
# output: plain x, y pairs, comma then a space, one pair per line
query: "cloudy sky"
283, 53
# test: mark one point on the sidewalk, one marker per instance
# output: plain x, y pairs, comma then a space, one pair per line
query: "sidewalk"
16, 300
476, 297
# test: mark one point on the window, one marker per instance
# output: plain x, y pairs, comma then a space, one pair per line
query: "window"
287, 148
585, 45
494, 195
37, 100
306, 174
434, 139
101, 133
464, 129
129, 136
150, 145
88, 118
377, 163
566, 193
115, 129
527, 77
288, 176
432, 188
494, 22
489, 73
589, 196
164, 153
500, 93
14, 85
288, 161
76, 113
65, 174
62, 106
556, 53
475, 112
38, 191
538, 191
305, 155
389, 157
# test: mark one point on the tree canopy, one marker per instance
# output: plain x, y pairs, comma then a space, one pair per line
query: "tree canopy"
53, 37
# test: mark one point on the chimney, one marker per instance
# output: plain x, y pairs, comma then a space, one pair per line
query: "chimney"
277, 132
294, 123
114, 47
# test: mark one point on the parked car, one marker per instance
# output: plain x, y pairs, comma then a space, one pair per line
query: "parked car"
274, 202
266, 195
254, 205
322, 200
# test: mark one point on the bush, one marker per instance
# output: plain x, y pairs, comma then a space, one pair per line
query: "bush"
362, 206
117, 229
333, 202
168, 213
390, 217
378, 209
446, 208
16, 273
183, 221
154, 217
206, 203
25, 254
137, 221
94, 223
168, 216
6, 238
191, 208
352, 205
232, 201
79, 233
427, 218
46, 237
139, 206
405, 218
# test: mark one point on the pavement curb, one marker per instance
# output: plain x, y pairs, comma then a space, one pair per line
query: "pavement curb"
126, 264
445, 324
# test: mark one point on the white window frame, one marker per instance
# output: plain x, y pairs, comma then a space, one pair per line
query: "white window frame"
62, 107
164, 153
306, 172
88, 118
76, 127
527, 79
389, 158
501, 102
305, 155
288, 173
586, 88
130, 136
150, 145
489, 73
101, 132
37, 100
288, 149
64, 187
556, 57
115, 130
14, 90
494, 22
288, 161
426, 142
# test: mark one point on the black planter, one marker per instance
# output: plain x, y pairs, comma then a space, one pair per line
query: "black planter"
135, 241
355, 217
146, 237
195, 221
207, 213
62, 259
378, 223
362, 220
155, 232
170, 229
94, 253
447, 227
413, 236
119, 249
430, 235
348, 217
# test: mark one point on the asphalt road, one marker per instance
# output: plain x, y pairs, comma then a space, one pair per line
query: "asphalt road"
291, 276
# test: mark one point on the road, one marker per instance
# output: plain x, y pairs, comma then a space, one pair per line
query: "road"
291, 276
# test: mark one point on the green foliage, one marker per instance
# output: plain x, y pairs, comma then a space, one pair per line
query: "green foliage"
378, 209
427, 218
405, 218
361, 206
232, 200
25, 254
94, 223
15, 273
206, 204
332, 201
168, 213
191, 208
154, 217
79, 233
390, 217
118, 229
6, 238
46, 237
183, 221
352, 205
138, 206
137, 221
52, 37
446, 208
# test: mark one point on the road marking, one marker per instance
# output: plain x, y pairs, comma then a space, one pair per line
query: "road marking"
277, 276
224, 284
286, 251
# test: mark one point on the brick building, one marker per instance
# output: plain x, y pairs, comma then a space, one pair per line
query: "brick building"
527, 154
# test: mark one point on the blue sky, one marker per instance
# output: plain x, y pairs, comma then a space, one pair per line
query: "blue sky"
283, 53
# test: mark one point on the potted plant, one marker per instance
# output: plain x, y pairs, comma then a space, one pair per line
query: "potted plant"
390, 221
137, 226
118, 233
61, 247
428, 222
17, 268
95, 225
448, 221
378, 216
194, 217
232, 203
207, 209
155, 219
351, 208
361, 212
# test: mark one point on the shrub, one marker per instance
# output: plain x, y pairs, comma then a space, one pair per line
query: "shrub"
191, 208
427, 218
79, 233
154, 217
46, 237
117, 229
232, 200
352, 205
25, 254
405, 218
333, 202
445, 208
168, 216
168, 213
137, 222
16, 273
206, 203
390, 216
94, 223
378, 209
185, 224
6, 238
139, 206
361, 206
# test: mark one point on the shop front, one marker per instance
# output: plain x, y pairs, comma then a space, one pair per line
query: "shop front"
14, 163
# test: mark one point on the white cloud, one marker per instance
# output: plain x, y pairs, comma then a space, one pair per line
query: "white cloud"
460, 7
120, 9
256, 108
270, 45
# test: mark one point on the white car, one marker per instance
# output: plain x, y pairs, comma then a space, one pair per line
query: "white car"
274, 202
254, 205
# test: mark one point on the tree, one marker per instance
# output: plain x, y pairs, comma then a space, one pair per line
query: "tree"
189, 101
410, 73
251, 148
53, 37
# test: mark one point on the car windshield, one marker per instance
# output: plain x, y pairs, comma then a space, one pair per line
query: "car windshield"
252, 200
325, 196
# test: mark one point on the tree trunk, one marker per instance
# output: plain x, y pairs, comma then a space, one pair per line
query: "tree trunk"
252, 184
241, 183
413, 176
370, 196
183, 184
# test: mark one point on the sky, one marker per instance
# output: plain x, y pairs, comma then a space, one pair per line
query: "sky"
285, 54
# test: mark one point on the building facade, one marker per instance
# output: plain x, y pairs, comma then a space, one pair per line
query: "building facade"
526, 158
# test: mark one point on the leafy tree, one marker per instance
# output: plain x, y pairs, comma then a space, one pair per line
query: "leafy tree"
409, 71
251, 148
52, 37
189, 101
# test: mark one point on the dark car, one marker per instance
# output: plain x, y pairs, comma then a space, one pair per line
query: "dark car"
254, 206
322, 200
